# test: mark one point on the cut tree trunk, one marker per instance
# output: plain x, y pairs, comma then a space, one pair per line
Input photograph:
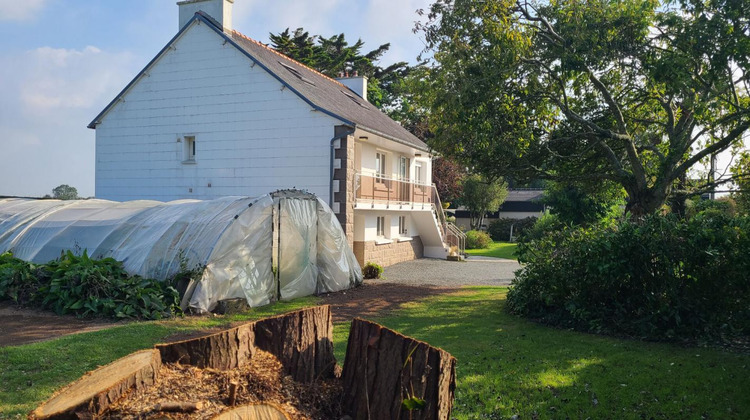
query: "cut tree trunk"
262, 411
383, 368
228, 349
97, 390
301, 340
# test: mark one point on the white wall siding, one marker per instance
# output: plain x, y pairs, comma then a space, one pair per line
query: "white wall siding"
252, 136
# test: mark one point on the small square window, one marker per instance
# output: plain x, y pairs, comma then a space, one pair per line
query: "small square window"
189, 155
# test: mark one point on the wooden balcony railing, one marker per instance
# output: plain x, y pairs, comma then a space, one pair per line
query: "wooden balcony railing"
382, 190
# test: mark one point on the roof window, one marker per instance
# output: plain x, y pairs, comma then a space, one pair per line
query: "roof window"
354, 98
296, 73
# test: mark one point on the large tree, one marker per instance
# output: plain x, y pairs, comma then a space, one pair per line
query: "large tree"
635, 92
481, 196
334, 55
448, 177
65, 192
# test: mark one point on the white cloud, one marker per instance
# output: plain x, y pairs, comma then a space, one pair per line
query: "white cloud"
49, 96
20, 9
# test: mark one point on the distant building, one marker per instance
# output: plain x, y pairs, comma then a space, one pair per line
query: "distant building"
519, 204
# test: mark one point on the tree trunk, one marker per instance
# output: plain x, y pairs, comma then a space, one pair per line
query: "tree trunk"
301, 340
96, 391
255, 411
642, 203
384, 368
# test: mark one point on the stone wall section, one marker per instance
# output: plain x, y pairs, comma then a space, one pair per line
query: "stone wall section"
343, 181
388, 254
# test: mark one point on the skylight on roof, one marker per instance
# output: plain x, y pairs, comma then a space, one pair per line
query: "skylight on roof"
296, 73
354, 98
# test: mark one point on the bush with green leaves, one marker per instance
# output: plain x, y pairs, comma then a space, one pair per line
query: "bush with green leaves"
372, 270
476, 239
547, 224
19, 280
660, 279
500, 229
86, 287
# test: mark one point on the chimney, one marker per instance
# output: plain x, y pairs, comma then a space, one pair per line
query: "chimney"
219, 10
356, 83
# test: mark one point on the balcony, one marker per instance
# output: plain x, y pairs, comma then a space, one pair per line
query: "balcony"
379, 190
373, 191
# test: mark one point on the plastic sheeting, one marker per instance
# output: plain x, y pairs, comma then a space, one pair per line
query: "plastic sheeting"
233, 238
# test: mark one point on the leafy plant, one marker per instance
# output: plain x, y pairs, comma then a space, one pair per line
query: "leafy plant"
500, 229
18, 279
372, 270
476, 239
86, 287
660, 279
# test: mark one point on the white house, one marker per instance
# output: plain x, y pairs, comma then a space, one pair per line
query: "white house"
216, 113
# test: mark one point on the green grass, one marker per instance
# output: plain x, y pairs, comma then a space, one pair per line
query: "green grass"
29, 374
497, 250
506, 365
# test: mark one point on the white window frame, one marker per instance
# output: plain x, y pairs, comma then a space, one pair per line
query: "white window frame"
403, 168
380, 226
402, 231
418, 173
380, 166
189, 148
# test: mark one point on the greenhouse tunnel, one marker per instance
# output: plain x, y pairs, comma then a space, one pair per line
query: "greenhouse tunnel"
281, 245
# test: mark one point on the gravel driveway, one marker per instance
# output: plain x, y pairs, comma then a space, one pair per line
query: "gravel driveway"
475, 271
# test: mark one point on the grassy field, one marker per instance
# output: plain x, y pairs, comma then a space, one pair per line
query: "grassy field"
497, 250
506, 366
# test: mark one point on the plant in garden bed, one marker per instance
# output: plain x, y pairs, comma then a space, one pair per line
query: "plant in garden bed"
86, 287
372, 270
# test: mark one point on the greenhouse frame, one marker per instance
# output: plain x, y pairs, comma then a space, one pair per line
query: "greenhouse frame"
279, 246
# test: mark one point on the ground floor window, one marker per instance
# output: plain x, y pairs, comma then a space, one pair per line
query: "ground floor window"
381, 227
402, 226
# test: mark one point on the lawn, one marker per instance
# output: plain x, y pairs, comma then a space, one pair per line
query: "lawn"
506, 366
497, 250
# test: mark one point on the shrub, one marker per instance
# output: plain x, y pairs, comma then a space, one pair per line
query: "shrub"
663, 278
18, 280
82, 286
372, 270
543, 226
499, 229
476, 239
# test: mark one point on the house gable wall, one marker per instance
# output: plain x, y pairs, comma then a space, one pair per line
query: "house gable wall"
252, 135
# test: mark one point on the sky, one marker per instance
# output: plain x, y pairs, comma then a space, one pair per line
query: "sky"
63, 61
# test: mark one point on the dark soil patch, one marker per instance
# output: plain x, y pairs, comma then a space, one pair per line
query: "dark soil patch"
372, 299
24, 325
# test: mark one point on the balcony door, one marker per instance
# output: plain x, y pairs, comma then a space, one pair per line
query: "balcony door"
403, 179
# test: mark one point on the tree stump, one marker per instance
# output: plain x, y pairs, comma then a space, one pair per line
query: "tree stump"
384, 368
260, 411
301, 340
97, 390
